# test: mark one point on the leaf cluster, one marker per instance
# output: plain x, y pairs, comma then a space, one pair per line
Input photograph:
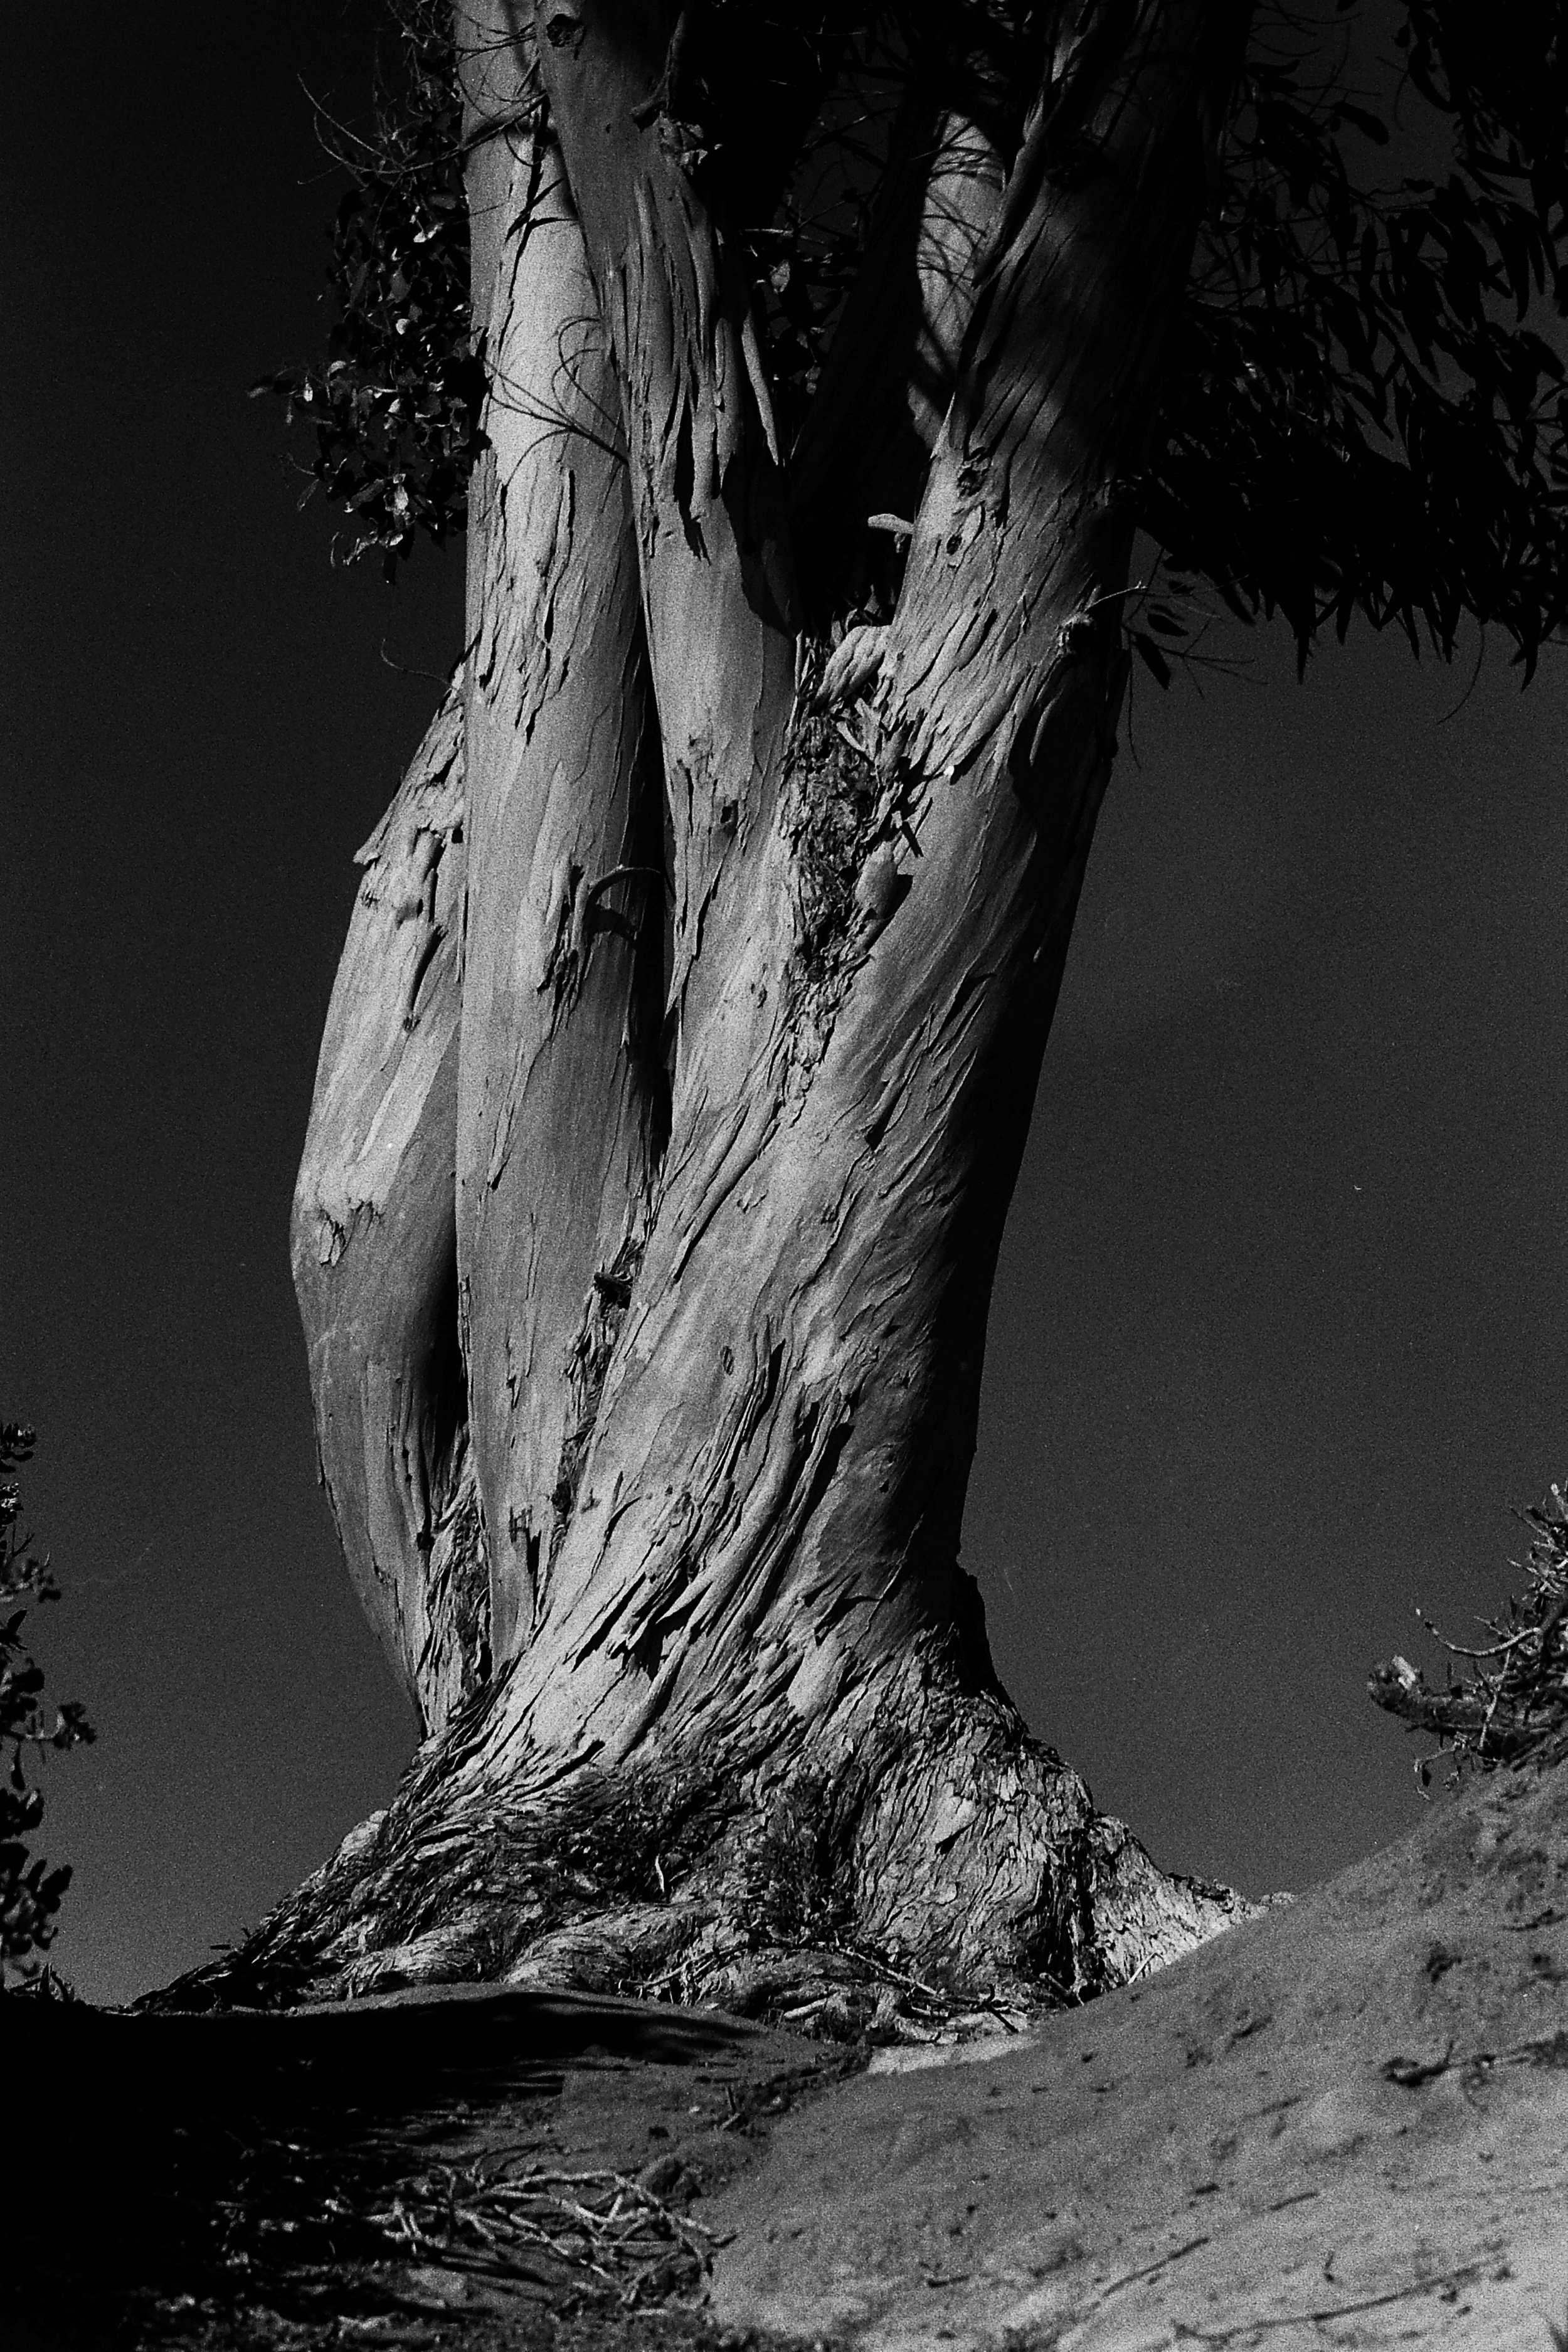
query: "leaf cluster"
1510, 1699
1362, 412
30, 1892
396, 404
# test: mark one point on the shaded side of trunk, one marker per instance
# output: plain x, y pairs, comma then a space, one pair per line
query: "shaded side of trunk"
893, 366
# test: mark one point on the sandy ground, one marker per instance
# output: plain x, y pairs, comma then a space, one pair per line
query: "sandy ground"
1345, 2123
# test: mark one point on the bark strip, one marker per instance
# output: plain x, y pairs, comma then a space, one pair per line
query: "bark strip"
560, 1094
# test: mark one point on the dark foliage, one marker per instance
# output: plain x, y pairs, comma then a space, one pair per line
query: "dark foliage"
1365, 409
396, 404
30, 1892
1363, 414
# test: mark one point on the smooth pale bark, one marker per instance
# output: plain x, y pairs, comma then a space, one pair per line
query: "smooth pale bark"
560, 1092
756, 1641
374, 1245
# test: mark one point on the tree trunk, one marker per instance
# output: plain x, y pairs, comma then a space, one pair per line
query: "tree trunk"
374, 1247
741, 1737
562, 1095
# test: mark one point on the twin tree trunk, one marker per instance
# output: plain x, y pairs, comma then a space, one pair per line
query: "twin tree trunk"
681, 1058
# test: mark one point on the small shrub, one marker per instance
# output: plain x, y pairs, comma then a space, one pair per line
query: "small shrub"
396, 404
1508, 1701
30, 1892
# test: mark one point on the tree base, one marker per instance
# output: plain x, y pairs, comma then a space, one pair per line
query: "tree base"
928, 1860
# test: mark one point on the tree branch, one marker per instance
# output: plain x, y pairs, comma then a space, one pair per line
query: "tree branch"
712, 531
562, 1095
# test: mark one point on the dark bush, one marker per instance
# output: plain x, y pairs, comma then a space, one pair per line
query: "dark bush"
30, 1892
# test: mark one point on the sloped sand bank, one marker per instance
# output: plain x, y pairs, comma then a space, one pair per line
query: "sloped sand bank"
1346, 2123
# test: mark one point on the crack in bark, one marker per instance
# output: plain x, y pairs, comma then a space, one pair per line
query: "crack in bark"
603, 1313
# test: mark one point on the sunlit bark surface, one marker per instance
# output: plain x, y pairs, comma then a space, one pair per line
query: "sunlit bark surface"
560, 1089
374, 1245
726, 1230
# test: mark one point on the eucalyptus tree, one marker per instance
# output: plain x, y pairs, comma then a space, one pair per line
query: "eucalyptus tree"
804, 376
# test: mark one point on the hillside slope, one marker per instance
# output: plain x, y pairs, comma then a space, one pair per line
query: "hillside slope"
1345, 2123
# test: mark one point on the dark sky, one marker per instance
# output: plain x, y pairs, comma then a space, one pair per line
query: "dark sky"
1278, 1334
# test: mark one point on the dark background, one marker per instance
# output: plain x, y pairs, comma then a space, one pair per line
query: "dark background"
1277, 1337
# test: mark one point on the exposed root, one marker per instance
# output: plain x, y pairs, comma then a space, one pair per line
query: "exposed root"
924, 1867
